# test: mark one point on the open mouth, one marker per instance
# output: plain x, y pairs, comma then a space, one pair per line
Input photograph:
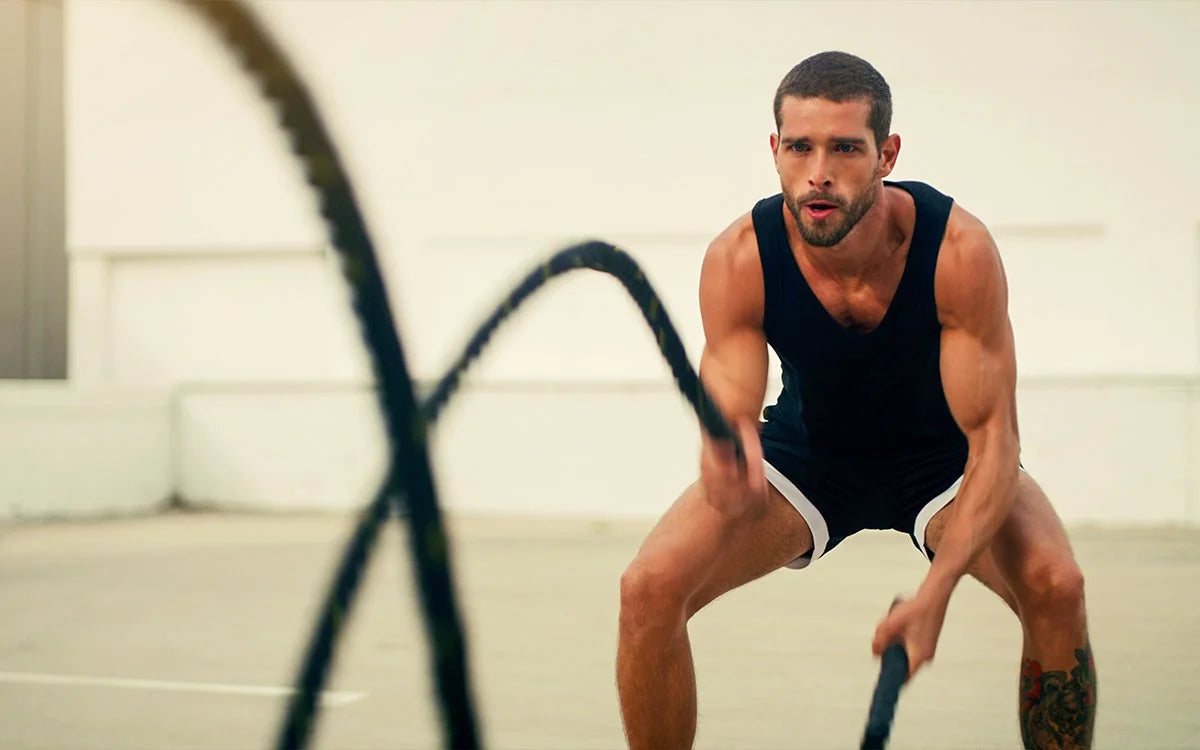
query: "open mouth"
820, 209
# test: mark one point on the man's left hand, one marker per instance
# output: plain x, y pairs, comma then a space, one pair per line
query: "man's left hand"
915, 622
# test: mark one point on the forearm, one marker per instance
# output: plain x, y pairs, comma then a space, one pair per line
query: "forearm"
984, 499
736, 378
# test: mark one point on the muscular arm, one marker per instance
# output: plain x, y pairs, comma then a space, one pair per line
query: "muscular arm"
733, 364
978, 368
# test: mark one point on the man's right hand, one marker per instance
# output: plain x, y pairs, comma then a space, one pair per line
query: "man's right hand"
733, 488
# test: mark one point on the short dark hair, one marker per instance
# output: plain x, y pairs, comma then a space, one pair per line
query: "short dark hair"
840, 77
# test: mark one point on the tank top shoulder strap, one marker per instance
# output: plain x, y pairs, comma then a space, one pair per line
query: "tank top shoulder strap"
933, 213
774, 252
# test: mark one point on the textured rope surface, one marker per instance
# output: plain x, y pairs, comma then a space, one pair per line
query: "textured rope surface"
409, 478
410, 474
598, 256
593, 255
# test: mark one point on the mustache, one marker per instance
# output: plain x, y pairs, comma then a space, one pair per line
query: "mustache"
821, 197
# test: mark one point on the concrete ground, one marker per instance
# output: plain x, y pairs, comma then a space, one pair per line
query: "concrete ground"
208, 614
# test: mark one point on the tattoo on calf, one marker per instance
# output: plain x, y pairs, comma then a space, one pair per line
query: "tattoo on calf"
1058, 710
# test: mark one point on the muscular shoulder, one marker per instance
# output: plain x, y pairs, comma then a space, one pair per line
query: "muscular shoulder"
731, 277
969, 286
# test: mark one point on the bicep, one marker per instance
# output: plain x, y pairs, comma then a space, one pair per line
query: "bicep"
978, 357
979, 379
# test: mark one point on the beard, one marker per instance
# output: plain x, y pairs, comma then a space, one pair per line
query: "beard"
830, 231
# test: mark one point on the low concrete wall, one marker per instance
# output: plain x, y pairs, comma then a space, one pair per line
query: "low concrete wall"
69, 452
1106, 451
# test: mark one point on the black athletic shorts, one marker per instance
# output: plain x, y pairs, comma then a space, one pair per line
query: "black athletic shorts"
839, 496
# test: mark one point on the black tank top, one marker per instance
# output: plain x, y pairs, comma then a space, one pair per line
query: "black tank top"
848, 393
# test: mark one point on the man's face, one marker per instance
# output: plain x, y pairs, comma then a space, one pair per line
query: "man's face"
829, 168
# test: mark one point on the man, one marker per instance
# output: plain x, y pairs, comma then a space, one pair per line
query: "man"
887, 305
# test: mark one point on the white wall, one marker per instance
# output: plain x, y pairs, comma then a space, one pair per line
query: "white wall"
72, 452
482, 136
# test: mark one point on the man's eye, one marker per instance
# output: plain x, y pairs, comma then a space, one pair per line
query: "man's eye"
798, 147
845, 148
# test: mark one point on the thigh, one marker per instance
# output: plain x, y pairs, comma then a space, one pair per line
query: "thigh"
1031, 534
707, 553
1031, 540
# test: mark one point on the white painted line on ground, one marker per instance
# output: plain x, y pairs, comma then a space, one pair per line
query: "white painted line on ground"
328, 698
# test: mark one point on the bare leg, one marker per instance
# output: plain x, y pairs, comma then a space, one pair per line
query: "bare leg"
1031, 566
692, 556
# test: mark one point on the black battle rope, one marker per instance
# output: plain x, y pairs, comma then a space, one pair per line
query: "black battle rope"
593, 255
405, 424
598, 256
410, 474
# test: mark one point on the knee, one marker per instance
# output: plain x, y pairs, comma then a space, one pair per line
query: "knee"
653, 595
1053, 588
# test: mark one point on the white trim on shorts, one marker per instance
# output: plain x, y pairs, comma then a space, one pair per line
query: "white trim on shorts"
808, 511
930, 510
820, 529
932, 507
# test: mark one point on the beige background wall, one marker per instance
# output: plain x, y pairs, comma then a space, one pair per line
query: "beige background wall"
482, 136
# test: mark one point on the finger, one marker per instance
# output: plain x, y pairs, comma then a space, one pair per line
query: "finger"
887, 628
752, 448
923, 653
884, 635
915, 658
724, 452
891, 628
717, 460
